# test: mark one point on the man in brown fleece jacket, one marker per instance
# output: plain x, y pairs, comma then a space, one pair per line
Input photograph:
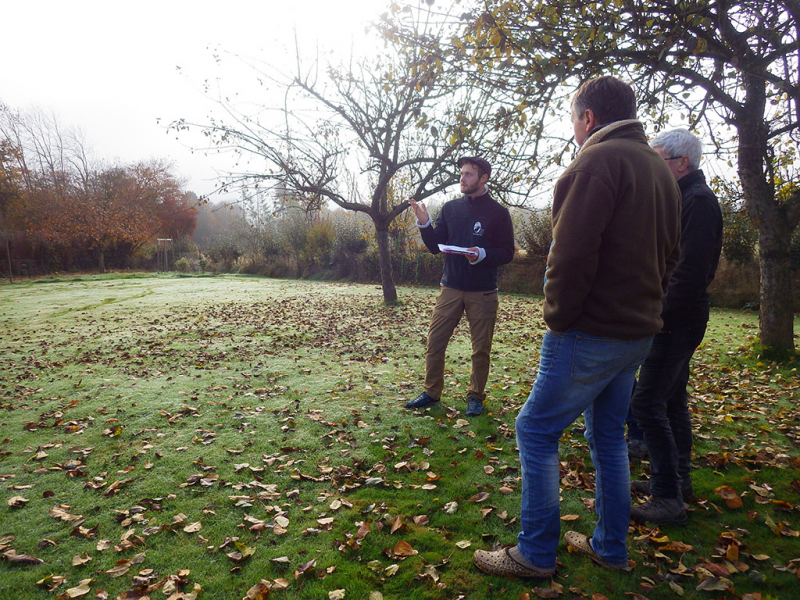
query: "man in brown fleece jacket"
616, 228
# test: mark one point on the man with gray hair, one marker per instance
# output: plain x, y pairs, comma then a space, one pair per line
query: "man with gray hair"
660, 402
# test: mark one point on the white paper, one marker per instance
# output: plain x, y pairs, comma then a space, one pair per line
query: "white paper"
456, 250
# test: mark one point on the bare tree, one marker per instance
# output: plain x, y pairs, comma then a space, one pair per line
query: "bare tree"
349, 135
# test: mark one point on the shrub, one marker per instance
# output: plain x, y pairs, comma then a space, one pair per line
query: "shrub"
182, 265
739, 235
319, 244
535, 233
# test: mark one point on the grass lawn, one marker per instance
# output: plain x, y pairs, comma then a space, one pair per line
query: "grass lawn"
214, 437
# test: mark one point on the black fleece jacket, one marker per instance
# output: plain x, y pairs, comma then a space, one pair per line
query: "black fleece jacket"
480, 222
686, 300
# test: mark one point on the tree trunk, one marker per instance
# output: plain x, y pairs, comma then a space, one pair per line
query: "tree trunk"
102, 261
10, 270
776, 319
385, 260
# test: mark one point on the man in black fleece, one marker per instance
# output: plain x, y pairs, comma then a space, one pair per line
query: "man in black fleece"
469, 283
660, 402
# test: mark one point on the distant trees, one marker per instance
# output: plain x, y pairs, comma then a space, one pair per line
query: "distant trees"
71, 207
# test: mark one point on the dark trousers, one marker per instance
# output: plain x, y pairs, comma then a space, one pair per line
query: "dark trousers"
660, 407
634, 432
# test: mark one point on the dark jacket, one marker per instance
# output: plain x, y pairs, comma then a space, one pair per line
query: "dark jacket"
616, 231
686, 300
480, 222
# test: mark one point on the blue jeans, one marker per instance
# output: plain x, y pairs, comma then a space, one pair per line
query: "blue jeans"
593, 375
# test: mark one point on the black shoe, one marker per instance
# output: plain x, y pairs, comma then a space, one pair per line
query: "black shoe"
636, 449
660, 511
641, 486
420, 401
474, 407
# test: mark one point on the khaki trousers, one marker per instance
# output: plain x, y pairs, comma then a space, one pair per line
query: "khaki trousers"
481, 309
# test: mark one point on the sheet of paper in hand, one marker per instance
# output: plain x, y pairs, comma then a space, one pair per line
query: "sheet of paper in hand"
456, 250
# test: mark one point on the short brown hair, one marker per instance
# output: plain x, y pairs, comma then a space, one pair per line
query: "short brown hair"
607, 97
483, 166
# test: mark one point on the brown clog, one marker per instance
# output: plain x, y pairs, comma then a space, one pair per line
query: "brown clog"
501, 563
581, 544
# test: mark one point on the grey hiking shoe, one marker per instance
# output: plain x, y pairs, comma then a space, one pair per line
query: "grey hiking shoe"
660, 511
474, 407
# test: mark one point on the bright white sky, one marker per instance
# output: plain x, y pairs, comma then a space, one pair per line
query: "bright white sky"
115, 69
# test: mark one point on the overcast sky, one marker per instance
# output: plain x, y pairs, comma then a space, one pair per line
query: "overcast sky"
121, 71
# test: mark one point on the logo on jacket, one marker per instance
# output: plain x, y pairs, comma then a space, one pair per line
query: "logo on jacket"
477, 229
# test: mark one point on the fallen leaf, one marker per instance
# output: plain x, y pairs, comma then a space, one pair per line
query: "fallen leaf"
81, 559
280, 584
732, 553
51, 582
549, 592
303, 569
21, 559
83, 588
404, 549
463, 544
193, 527
675, 588
731, 497
259, 591
62, 512
676, 546
430, 572
479, 497
363, 530
397, 523
17, 501
715, 584
118, 570
570, 517
336, 595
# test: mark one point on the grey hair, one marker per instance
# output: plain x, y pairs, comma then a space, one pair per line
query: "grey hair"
680, 142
